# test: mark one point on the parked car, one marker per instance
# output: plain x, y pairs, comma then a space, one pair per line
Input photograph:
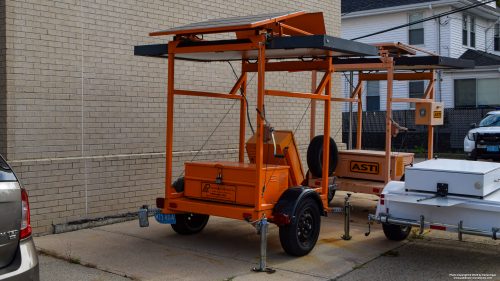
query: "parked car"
18, 257
483, 140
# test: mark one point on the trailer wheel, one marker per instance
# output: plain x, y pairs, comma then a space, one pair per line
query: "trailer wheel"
396, 232
300, 237
315, 156
189, 223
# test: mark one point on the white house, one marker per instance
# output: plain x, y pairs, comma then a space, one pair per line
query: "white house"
471, 34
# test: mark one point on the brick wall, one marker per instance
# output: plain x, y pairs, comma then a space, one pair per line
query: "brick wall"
87, 137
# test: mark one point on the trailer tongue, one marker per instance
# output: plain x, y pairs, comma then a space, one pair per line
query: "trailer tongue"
451, 195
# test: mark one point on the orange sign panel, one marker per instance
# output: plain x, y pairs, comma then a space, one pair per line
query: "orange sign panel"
437, 114
364, 167
218, 191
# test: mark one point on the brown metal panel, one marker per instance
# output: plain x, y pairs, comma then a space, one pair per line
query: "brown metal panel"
221, 25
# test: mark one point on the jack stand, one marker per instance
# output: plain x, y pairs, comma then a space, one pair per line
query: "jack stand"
347, 217
262, 228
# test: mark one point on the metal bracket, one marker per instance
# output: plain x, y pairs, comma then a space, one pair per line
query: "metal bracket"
495, 232
144, 215
346, 210
262, 228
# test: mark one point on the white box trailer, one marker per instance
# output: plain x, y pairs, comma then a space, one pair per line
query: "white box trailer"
451, 195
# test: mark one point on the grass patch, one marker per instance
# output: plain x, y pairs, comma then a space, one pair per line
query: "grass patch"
391, 254
415, 234
357, 267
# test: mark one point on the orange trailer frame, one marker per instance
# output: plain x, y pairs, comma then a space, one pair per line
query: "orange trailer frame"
176, 202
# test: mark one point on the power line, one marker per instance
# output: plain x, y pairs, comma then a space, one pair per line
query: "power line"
426, 19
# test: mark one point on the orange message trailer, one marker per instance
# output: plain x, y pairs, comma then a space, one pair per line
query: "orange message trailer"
369, 171
248, 191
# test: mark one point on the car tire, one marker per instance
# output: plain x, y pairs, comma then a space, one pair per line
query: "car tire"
300, 237
189, 223
396, 232
315, 156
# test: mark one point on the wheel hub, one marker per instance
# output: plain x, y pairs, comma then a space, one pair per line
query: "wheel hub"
305, 226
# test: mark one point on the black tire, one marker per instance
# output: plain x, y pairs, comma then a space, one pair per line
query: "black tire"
396, 232
331, 194
402, 178
178, 185
315, 156
190, 223
299, 238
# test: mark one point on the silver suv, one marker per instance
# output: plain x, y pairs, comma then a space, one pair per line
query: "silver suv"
18, 257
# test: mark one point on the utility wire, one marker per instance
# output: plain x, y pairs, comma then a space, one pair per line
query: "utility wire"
426, 19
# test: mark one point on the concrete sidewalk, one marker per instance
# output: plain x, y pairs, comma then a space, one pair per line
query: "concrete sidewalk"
230, 248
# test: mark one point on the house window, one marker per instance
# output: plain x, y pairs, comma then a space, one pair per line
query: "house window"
477, 92
373, 96
464, 30
416, 31
465, 92
473, 32
496, 38
416, 91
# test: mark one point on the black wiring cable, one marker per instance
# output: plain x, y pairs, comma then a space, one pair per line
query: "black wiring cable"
244, 96
288, 144
427, 19
198, 152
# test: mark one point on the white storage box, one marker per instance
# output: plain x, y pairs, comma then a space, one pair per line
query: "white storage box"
463, 177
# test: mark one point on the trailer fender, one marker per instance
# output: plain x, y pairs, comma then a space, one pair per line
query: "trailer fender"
383, 205
286, 205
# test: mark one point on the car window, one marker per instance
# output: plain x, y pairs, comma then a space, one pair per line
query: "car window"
6, 173
490, 120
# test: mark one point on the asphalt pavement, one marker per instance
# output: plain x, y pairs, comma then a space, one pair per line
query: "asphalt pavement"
227, 249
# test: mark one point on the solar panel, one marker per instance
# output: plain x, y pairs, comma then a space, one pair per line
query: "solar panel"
227, 24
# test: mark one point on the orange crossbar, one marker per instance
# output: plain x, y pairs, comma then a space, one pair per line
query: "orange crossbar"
411, 100
397, 76
345, 99
295, 29
205, 94
322, 84
289, 66
238, 84
296, 95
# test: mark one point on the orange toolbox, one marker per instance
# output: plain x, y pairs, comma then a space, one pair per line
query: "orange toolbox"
232, 182
370, 164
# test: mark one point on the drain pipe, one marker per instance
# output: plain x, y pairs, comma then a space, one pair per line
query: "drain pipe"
485, 35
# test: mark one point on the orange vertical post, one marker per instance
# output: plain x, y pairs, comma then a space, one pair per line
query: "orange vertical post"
170, 126
259, 180
390, 76
241, 154
360, 115
326, 135
430, 143
312, 129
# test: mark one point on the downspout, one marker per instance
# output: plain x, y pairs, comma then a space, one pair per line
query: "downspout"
485, 35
